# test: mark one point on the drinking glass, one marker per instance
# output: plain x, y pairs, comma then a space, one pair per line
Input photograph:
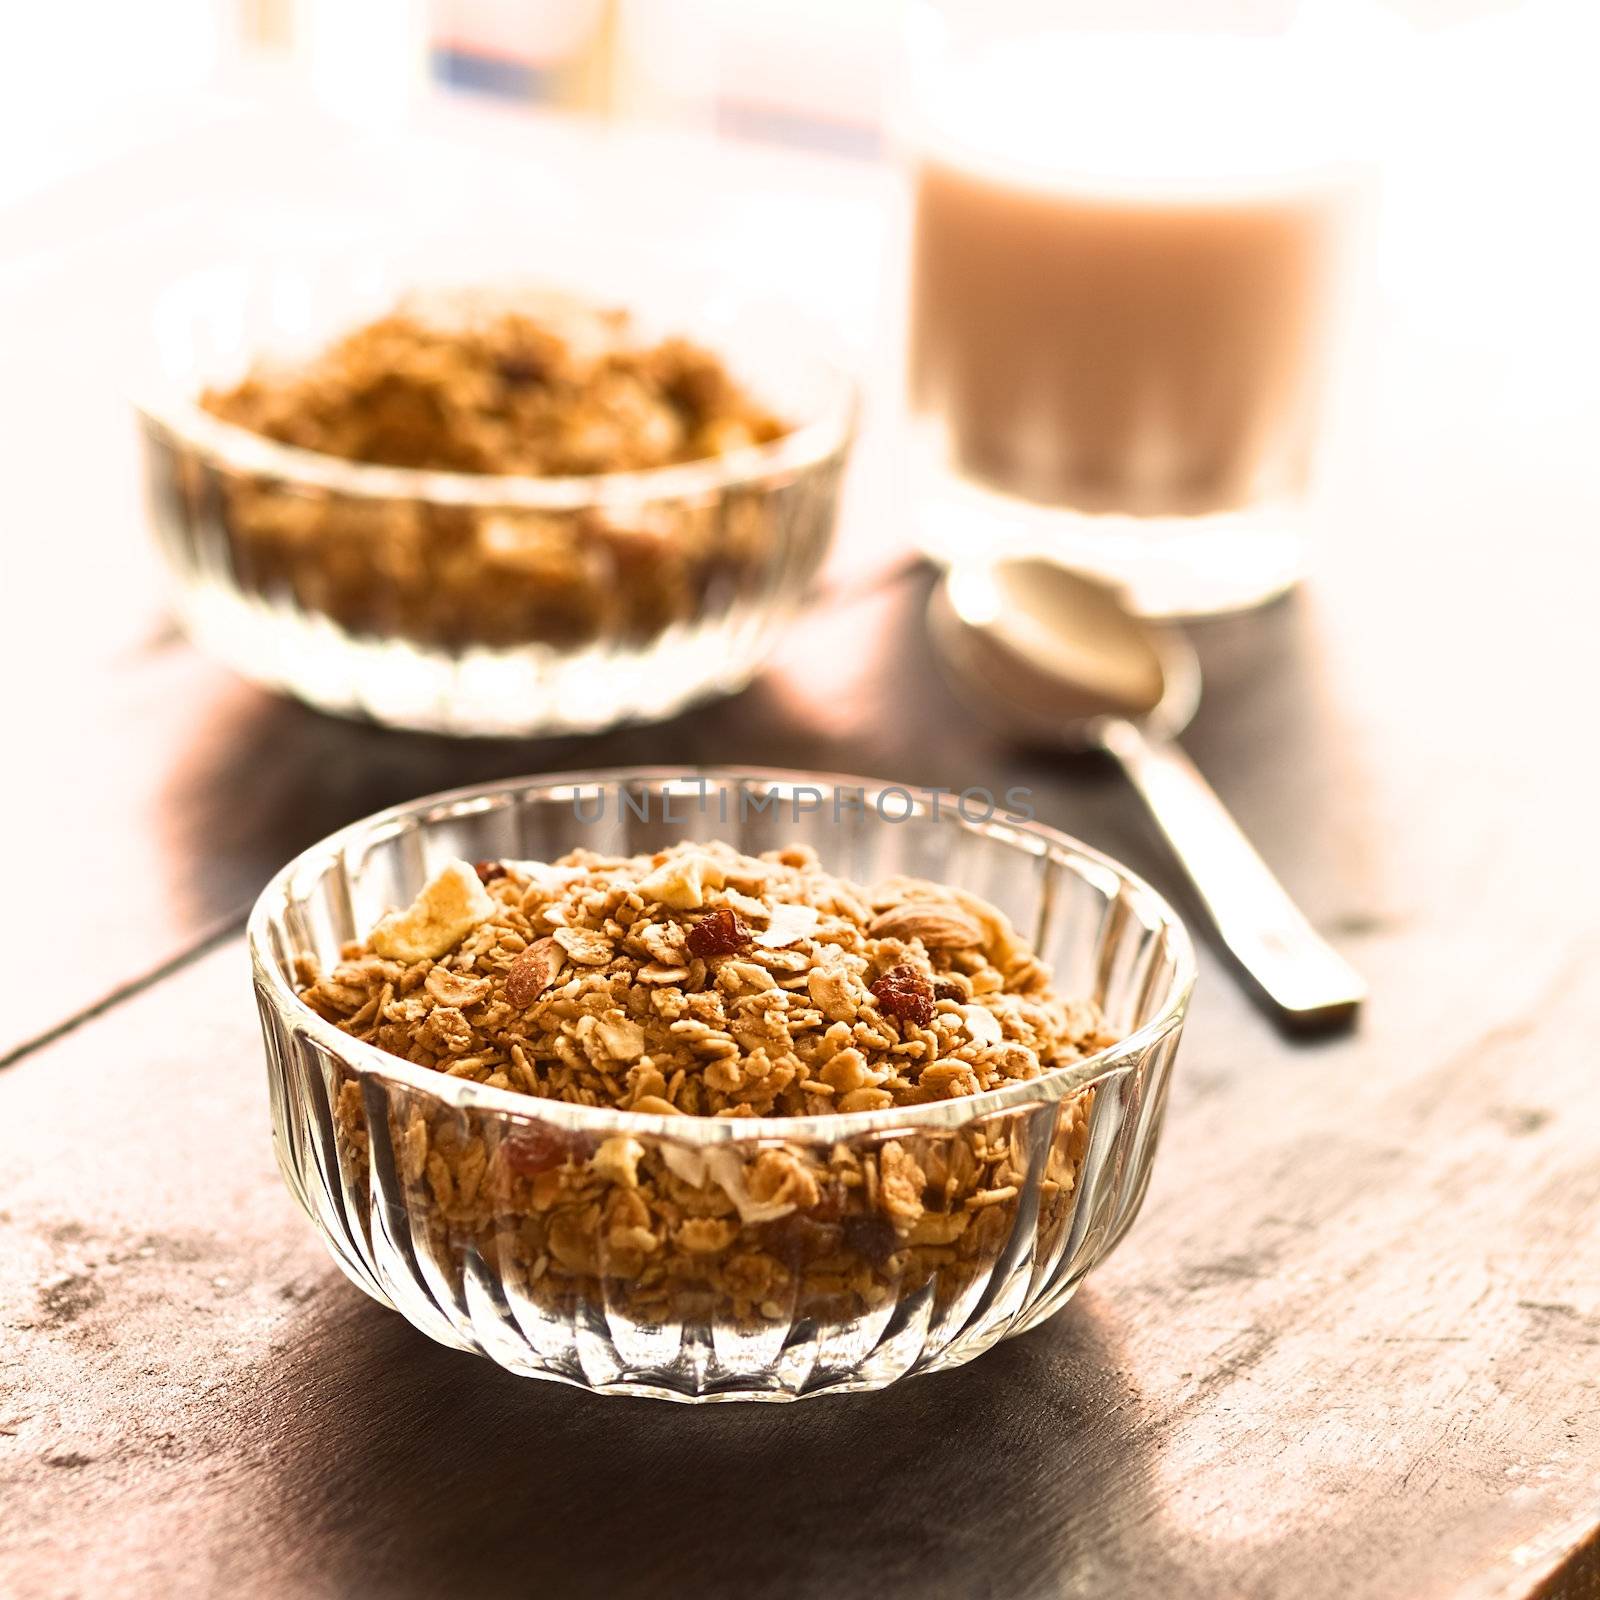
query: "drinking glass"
1126, 253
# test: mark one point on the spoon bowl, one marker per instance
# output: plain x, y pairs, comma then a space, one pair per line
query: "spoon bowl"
1053, 656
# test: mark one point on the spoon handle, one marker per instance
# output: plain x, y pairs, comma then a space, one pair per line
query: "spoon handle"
1309, 981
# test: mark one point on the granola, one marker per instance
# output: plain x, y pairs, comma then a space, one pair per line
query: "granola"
699, 982
485, 383
538, 384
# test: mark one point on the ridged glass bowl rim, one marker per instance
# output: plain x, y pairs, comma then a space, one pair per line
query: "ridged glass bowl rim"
814, 440
462, 1094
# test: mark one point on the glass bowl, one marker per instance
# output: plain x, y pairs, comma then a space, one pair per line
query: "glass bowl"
438, 1195
474, 603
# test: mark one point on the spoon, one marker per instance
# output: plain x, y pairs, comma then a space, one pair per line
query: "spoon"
1057, 655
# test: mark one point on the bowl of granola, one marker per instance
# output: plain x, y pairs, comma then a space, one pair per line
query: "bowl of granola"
727, 1086
496, 510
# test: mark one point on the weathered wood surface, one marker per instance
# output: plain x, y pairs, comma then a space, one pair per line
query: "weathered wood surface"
1350, 1350
1352, 1347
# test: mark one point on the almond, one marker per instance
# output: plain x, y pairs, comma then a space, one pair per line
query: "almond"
938, 926
533, 972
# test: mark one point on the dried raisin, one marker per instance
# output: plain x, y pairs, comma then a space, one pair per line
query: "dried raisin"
720, 933
538, 1148
904, 994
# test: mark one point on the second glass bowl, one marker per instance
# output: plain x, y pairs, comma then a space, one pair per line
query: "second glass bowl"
471, 603
509, 1225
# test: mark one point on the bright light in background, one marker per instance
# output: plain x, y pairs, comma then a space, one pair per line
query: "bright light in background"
69, 66
1159, 105
808, 72
367, 59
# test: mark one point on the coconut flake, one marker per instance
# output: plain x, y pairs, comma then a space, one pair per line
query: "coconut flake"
789, 924
727, 1171
982, 1025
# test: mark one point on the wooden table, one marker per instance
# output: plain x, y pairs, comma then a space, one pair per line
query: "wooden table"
1352, 1347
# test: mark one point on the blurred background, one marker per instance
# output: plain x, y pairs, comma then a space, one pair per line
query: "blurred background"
756, 136
760, 139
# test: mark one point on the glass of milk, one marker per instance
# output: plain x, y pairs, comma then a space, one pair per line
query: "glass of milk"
1126, 254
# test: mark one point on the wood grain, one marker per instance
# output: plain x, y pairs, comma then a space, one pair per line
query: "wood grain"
1350, 1350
